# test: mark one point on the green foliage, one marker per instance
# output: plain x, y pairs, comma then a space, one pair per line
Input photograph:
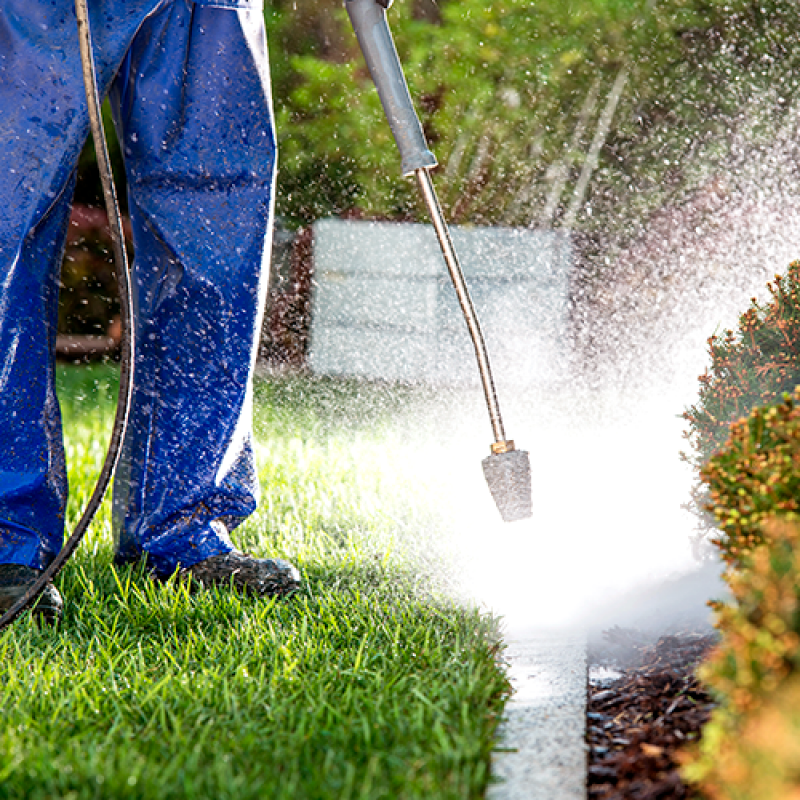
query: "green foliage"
367, 684
750, 750
753, 366
756, 476
480, 78
502, 89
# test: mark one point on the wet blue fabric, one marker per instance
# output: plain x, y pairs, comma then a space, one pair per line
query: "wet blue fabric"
189, 88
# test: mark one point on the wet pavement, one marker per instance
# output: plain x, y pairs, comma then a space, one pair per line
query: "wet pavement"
541, 752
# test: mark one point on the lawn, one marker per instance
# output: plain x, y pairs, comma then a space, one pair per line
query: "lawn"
370, 683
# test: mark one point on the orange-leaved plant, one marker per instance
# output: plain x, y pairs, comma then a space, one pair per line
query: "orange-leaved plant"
756, 365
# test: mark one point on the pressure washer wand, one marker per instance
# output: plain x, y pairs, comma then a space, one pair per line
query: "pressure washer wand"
507, 470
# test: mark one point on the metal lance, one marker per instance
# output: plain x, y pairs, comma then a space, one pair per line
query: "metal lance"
507, 470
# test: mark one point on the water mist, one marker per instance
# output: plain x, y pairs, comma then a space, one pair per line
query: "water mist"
610, 541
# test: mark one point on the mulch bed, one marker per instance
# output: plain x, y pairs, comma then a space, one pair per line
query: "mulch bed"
637, 722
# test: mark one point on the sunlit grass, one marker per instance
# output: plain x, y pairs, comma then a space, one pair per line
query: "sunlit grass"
368, 684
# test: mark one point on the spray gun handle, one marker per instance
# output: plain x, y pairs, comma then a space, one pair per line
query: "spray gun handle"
375, 39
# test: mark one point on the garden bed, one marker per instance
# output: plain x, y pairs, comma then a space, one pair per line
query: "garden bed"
644, 705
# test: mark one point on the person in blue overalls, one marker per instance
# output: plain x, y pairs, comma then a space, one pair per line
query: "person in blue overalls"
189, 86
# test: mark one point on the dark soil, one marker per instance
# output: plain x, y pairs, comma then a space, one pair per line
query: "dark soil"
648, 706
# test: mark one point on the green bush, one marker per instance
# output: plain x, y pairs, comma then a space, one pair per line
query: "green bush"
753, 366
502, 88
750, 749
756, 476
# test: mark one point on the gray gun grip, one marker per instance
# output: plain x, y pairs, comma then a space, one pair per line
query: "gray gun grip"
375, 39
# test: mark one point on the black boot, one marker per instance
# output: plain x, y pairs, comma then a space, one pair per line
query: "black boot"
262, 576
16, 579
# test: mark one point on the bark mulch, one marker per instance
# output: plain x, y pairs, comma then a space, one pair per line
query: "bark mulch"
641, 715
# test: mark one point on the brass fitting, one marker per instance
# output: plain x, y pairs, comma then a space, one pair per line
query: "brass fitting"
503, 447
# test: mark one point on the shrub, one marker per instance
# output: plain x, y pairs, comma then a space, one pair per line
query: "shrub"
753, 366
756, 476
750, 750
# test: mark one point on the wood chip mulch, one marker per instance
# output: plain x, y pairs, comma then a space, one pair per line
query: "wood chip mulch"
636, 724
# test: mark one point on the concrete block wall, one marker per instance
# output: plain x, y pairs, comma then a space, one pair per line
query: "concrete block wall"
383, 305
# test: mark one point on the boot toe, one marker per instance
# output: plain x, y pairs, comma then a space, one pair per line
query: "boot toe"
260, 576
16, 579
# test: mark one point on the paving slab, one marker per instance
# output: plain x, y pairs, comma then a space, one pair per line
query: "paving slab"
541, 752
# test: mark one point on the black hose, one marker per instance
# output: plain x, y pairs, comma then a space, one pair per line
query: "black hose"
126, 302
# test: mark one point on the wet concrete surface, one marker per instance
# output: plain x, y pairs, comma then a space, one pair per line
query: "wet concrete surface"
541, 751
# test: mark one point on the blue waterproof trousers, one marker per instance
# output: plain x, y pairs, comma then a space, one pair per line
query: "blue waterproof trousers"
189, 87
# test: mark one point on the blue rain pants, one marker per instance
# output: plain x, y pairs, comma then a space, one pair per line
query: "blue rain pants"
189, 88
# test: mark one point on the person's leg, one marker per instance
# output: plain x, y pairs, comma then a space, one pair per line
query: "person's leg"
43, 125
33, 485
194, 111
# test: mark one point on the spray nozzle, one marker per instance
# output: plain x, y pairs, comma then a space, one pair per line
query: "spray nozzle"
508, 473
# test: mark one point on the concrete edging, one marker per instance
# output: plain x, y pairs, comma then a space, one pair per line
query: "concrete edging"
541, 753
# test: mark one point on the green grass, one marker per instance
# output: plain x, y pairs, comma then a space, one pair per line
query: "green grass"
369, 683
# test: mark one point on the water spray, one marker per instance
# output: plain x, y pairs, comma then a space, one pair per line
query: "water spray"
126, 298
507, 470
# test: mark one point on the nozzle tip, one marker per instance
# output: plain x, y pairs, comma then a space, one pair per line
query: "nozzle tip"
509, 477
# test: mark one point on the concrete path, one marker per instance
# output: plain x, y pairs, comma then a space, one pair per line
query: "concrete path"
541, 753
